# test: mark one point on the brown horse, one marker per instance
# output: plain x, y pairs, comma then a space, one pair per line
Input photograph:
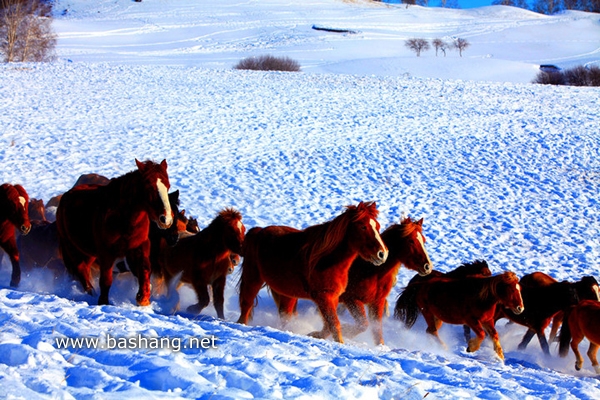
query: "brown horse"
476, 268
370, 286
468, 301
37, 211
544, 298
581, 321
14, 204
102, 223
206, 258
311, 264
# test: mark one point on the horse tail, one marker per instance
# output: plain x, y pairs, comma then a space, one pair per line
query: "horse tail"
565, 334
406, 309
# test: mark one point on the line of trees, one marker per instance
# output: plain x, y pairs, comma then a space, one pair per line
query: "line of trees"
539, 6
26, 31
419, 45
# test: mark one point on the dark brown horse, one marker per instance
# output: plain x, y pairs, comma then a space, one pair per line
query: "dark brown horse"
476, 268
468, 301
311, 264
581, 321
206, 258
14, 204
370, 286
102, 223
544, 298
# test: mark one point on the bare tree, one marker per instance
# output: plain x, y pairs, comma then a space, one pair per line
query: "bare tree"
417, 45
461, 44
26, 31
439, 44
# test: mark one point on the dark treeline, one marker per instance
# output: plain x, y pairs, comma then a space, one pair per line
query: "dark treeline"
539, 6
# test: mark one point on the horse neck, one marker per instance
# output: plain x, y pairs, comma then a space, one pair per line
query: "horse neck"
124, 193
487, 288
396, 240
211, 237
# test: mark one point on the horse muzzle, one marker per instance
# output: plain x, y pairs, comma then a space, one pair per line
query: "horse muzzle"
427, 268
164, 221
380, 257
25, 228
518, 310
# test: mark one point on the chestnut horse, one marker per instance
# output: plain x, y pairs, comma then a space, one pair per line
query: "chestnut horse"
311, 264
14, 204
468, 301
370, 286
544, 299
102, 223
476, 268
206, 258
581, 321
37, 211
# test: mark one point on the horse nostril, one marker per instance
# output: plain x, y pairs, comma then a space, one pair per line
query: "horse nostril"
381, 255
427, 267
162, 219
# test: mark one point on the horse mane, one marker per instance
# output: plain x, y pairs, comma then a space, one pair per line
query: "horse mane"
405, 228
13, 192
477, 267
324, 238
490, 289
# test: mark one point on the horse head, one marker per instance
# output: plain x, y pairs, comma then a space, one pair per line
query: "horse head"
37, 211
363, 232
412, 246
156, 184
17, 207
171, 234
587, 289
234, 230
508, 290
475, 268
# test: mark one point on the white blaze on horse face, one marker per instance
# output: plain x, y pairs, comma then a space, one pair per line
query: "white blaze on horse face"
163, 193
597, 291
422, 242
22, 201
240, 227
378, 237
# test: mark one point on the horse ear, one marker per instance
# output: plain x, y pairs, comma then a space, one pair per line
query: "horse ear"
139, 164
182, 213
163, 164
420, 222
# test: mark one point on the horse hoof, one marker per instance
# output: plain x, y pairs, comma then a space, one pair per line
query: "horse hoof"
143, 302
194, 309
15, 284
318, 335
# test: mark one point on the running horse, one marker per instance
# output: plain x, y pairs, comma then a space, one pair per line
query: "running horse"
475, 268
370, 286
206, 258
102, 223
14, 213
310, 264
468, 301
545, 300
581, 321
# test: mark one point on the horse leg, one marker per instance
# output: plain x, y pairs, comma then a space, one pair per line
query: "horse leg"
490, 329
543, 342
467, 333
475, 343
591, 353
218, 289
106, 277
140, 267
433, 326
286, 306
250, 284
78, 264
201, 290
10, 247
526, 339
327, 303
357, 311
376, 317
556, 323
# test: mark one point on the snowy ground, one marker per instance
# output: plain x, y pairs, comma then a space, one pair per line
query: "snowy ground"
503, 171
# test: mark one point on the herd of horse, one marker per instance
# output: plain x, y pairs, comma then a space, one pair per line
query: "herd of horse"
134, 223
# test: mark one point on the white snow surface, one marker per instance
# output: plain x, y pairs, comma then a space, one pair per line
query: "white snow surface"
500, 169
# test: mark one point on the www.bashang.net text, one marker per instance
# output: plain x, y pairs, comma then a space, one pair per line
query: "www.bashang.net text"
135, 342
